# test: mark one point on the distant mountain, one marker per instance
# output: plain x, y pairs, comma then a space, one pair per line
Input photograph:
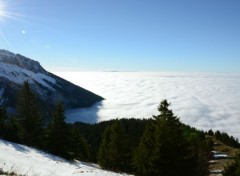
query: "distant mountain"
49, 88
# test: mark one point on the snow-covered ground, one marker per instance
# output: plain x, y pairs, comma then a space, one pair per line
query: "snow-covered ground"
31, 162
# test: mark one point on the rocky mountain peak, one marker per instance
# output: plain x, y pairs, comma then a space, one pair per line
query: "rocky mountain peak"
15, 69
20, 61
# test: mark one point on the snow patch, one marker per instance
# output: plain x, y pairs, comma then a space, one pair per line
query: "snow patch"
220, 156
28, 161
19, 75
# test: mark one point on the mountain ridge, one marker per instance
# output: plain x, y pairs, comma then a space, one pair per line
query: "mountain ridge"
15, 69
20, 61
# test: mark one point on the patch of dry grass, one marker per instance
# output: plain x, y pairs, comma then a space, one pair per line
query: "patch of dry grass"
221, 164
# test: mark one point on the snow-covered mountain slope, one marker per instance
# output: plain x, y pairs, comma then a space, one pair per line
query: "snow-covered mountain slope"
51, 89
19, 75
31, 162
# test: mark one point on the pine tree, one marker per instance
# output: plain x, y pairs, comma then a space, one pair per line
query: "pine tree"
79, 148
210, 132
114, 150
142, 156
3, 118
11, 129
170, 148
102, 157
58, 133
162, 146
30, 117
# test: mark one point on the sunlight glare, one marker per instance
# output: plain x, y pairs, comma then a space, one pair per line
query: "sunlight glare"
3, 16
6, 16
2, 12
6, 13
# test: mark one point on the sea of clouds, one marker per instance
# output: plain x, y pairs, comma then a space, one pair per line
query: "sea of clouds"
203, 100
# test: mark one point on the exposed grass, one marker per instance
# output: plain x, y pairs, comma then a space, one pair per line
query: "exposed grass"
221, 164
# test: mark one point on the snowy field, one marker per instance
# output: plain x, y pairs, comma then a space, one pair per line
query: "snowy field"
31, 162
204, 100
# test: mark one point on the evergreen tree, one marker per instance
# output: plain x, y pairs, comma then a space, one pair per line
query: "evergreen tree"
57, 133
11, 129
93, 133
102, 157
170, 149
114, 150
217, 134
3, 118
142, 156
204, 155
79, 148
163, 146
210, 132
30, 117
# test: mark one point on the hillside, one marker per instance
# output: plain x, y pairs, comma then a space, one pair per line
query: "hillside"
222, 157
28, 161
49, 88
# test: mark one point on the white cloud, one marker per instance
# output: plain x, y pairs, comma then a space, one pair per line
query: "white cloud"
202, 100
23, 32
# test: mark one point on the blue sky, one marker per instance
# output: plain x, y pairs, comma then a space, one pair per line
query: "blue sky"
124, 35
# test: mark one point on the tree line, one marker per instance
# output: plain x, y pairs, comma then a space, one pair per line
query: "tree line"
161, 145
166, 147
28, 126
225, 138
234, 168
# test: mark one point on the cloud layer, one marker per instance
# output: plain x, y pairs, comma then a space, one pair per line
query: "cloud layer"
203, 100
